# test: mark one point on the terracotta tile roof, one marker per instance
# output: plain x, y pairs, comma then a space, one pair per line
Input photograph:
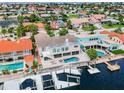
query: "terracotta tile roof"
40, 25
54, 25
120, 36
12, 46
29, 58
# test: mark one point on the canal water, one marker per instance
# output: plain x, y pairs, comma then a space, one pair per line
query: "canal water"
105, 80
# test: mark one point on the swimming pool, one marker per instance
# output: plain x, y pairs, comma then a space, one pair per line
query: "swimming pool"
14, 66
72, 59
100, 54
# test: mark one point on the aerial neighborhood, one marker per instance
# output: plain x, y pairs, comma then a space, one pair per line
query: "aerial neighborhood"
40, 42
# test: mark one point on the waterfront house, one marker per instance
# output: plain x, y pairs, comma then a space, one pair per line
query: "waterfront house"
53, 51
97, 41
118, 38
16, 54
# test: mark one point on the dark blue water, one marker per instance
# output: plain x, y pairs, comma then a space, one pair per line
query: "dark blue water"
28, 83
105, 80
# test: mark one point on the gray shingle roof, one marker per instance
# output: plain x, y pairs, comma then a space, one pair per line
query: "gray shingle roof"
43, 40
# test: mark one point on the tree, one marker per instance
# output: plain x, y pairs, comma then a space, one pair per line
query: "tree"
32, 28
35, 64
109, 23
120, 18
5, 17
4, 31
63, 32
34, 18
53, 18
69, 24
20, 19
64, 17
20, 31
47, 27
50, 33
92, 53
11, 30
118, 30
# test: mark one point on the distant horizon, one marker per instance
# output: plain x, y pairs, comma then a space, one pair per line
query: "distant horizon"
53, 2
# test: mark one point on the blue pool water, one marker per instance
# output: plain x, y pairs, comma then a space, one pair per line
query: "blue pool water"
100, 54
72, 59
13, 66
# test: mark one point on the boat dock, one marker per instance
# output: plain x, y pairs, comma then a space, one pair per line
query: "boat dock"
61, 84
111, 67
93, 70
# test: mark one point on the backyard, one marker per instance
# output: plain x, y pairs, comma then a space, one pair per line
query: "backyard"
89, 27
112, 26
118, 51
73, 15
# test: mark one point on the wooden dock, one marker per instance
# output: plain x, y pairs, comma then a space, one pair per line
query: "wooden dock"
111, 67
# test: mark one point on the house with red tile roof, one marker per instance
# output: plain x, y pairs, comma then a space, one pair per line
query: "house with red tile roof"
119, 38
16, 54
96, 18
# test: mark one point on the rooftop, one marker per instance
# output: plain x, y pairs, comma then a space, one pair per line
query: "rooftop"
13, 46
44, 40
79, 20
120, 36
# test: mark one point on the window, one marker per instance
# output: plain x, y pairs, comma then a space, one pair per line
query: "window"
46, 58
57, 55
75, 46
58, 50
75, 52
66, 54
66, 48
62, 49
43, 49
114, 47
54, 50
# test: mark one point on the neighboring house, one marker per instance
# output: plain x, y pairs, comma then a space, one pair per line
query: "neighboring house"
11, 22
114, 21
96, 18
118, 38
96, 41
57, 24
82, 13
53, 51
76, 22
15, 54
31, 8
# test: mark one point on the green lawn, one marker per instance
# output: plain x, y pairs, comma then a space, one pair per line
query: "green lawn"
89, 28
112, 26
118, 51
73, 15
